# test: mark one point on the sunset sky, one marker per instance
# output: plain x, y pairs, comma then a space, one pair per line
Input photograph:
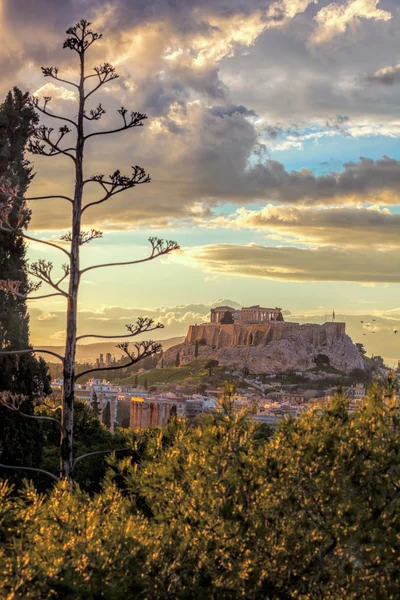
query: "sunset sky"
273, 147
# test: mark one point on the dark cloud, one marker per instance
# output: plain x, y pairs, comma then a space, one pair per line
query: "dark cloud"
386, 76
177, 59
228, 111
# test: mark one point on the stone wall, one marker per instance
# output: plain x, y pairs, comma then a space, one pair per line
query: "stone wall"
219, 336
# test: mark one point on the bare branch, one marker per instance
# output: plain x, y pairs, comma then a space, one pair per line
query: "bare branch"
54, 477
42, 136
34, 102
136, 120
143, 325
99, 452
95, 114
67, 269
28, 237
48, 198
84, 237
53, 72
81, 37
14, 401
12, 288
104, 74
32, 239
143, 349
117, 183
44, 296
33, 351
42, 270
159, 248
19, 214
6, 189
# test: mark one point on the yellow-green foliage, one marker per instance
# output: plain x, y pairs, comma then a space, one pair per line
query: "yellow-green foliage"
221, 511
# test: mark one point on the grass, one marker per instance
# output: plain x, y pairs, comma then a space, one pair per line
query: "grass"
193, 373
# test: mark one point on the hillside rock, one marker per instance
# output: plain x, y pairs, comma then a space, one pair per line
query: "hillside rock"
291, 353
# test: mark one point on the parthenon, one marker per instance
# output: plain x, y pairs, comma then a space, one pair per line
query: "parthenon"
247, 315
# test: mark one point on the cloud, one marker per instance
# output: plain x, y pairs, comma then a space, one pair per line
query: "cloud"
111, 320
343, 227
335, 18
214, 112
386, 75
228, 111
297, 264
177, 319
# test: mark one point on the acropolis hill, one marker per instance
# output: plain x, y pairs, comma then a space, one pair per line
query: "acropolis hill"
259, 338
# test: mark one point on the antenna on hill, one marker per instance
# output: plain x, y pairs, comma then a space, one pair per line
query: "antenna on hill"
333, 315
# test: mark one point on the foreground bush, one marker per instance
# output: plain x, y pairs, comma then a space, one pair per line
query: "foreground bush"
223, 511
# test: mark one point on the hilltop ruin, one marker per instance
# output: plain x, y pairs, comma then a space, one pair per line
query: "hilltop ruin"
261, 340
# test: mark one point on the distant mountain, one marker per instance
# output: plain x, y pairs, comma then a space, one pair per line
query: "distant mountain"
89, 352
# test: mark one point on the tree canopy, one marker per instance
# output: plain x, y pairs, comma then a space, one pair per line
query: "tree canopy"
221, 510
20, 440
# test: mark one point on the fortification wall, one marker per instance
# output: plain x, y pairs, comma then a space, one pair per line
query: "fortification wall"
223, 336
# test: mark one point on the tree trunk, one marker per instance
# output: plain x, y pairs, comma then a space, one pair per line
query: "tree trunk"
70, 346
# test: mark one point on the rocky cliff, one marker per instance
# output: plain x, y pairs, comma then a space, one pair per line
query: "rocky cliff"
269, 348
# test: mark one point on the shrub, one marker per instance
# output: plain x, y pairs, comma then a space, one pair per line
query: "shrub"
223, 511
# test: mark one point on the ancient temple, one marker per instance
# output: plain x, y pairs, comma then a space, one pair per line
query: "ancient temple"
251, 315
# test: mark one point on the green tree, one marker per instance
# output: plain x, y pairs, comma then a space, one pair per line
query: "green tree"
95, 404
107, 415
361, 348
173, 414
20, 439
91, 436
201, 388
211, 365
223, 510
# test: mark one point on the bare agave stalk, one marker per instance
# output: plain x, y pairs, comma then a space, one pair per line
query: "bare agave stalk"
46, 142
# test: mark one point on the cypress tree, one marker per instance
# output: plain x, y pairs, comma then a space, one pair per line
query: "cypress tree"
20, 438
107, 415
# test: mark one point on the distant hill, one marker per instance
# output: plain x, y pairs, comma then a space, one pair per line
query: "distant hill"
89, 352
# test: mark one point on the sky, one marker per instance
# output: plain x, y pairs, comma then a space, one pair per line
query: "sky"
272, 141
